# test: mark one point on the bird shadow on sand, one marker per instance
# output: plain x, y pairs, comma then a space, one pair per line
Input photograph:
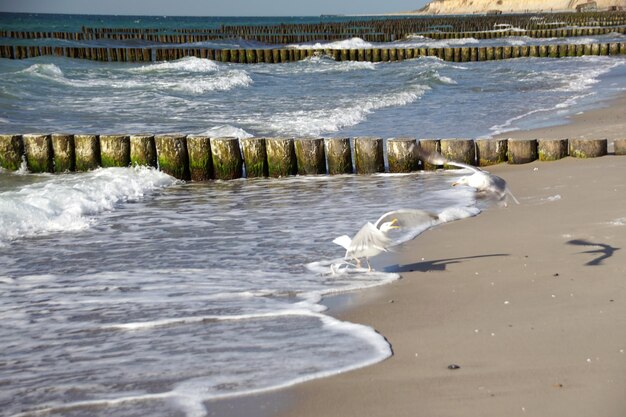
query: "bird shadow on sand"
436, 264
605, 251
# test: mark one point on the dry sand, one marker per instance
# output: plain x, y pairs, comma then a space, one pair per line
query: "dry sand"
529, 301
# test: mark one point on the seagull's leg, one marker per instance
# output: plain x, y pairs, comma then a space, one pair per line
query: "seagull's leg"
369, 267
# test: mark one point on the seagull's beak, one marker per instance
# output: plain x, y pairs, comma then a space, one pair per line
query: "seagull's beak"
454, 184
393, 224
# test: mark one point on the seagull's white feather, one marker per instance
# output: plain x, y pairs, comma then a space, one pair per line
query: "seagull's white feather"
344, 241
408, 218
368, 241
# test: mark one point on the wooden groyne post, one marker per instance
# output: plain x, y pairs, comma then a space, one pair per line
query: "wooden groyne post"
143, 150
11, 152
200, 157
64, 152
491, 151
87, 152
368, 155
338, 156
402, 155
172, 155
552, 149
114, 151
38, 151
281, 157
255, 157
226, 157
310, 156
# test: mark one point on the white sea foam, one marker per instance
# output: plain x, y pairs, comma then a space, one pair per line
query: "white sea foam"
222, 82
353, 43
418, 41
457, 213
65, 203
188, 64
317, 64
507, 126
582, 41
189, 75
317, 122
224, 131
44, 70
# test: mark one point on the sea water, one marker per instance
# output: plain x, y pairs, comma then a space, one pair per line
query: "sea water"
126, 292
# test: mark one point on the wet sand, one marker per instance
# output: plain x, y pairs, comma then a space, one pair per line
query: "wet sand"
529, 301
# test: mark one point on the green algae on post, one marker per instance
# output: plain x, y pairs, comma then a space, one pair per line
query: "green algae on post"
172, 155
64, 152
459, 150
588, 148
87, 152
552, 149
281, 157
143, 150
491, 151
200, 157
227, 161
339, 156
310, 156
11, 152
38, 150
254, 157
402, 155
114, 151
368, 155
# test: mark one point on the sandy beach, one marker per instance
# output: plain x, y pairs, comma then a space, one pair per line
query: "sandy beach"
529, 302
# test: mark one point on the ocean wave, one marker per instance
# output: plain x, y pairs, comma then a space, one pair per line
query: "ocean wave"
65, 203
418, 41
188, 64
317, 64
353, 43
317, 122
188, 75
44, 70
224, 131
584, 80
508, 125
221, 82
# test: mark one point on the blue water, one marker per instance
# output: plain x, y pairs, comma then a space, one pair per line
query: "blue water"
127, 293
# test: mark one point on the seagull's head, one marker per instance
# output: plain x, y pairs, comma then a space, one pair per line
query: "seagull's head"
387, 226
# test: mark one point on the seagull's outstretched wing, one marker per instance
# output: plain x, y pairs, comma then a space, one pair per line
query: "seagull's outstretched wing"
368, 241
409, 218
435, 158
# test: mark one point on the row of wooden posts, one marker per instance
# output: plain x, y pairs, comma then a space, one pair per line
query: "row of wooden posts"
385, 29
397, 24
253, 56
202, 158
286, 38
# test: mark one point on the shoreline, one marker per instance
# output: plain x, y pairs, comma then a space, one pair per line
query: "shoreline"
514, 309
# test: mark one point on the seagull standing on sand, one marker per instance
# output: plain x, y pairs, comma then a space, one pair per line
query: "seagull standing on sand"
372, 239
485, 183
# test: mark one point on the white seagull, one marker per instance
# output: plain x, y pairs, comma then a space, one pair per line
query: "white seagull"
372, 239
485, 183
